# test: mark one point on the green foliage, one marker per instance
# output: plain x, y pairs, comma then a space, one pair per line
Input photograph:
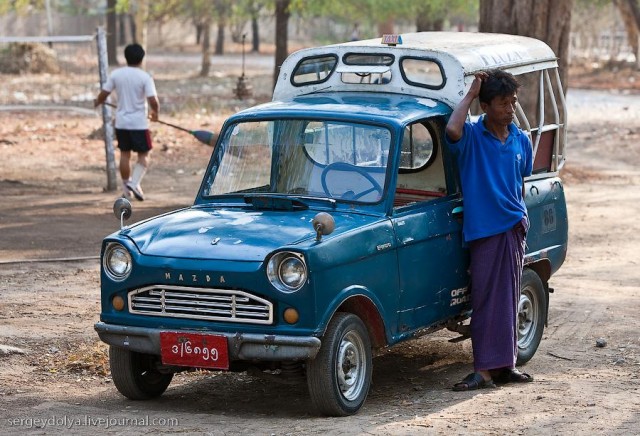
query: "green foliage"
166, 9
246, 9
375, 11
20, 6
367, 12
75, 7
71, 7
591, 3
122, 6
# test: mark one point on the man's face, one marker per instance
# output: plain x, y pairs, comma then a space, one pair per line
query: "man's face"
502, 109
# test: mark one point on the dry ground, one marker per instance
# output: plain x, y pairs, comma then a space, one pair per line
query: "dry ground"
53, 206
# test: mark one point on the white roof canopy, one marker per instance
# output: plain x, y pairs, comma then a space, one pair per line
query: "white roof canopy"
460, 55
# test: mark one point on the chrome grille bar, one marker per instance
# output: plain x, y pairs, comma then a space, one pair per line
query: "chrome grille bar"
196, 303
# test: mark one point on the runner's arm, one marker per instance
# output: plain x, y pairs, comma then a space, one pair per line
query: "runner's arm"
101, 98
154, 107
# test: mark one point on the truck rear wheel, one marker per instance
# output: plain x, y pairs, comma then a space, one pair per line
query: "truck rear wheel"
135, 376
339, 378
532, 310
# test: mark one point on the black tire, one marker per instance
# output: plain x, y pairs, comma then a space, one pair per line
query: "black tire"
532, 313
135, 376
339, 378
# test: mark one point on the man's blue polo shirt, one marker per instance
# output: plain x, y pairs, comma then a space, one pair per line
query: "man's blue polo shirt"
491, 174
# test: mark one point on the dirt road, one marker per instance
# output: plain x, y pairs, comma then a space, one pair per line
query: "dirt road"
56, 380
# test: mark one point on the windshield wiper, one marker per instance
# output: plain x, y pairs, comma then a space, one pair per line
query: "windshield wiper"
331, 201
274, 202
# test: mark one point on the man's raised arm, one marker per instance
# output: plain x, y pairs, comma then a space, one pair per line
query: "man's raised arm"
455, 125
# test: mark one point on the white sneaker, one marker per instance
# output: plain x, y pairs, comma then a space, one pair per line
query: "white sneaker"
126, 193
136, 191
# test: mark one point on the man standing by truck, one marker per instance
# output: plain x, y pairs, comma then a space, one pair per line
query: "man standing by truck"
494, 156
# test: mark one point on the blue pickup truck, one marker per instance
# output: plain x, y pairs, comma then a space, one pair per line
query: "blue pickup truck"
328, 223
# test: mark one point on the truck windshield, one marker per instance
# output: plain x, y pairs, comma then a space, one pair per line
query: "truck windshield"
303, 158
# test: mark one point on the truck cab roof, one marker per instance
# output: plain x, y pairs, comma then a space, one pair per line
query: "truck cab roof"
387, 108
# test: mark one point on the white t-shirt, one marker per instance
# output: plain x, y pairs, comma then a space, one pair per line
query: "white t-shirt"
133, 85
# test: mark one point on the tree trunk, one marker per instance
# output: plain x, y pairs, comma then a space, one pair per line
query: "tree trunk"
635, 10
255, 35
112, 41
630, 13
255, 8
629, 24
282, 35
122, 28
221, 11
427, 19
142, 16
199, 29
220, 38
424, 24
206, 48
546, 20
386, 27
133, 28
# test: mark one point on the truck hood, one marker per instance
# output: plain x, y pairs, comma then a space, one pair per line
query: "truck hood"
231, 234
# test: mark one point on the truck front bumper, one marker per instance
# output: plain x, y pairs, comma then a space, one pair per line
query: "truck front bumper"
242, 346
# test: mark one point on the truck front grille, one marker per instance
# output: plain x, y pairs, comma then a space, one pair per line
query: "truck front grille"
197, 303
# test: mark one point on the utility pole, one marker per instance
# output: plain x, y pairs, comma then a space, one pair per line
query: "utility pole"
49, 20
103, 64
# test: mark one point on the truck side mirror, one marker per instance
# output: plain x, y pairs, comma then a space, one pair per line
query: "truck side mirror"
122, 210
324, 224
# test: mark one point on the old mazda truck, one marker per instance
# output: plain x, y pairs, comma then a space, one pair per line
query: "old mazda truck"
328, 223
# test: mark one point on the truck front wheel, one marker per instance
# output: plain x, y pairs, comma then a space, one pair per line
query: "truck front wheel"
532, 310
339, 377
135, 375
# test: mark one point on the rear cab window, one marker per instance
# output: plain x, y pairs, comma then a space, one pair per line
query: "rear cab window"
423, 72
316, 69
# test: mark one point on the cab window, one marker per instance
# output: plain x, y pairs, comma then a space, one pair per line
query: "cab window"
314, 70
417, 148
421, 175
422, 72
369, 68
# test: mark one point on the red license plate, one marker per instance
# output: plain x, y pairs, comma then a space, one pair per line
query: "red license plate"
194, 350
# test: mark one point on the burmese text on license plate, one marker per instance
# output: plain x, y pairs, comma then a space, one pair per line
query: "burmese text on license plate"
194, 350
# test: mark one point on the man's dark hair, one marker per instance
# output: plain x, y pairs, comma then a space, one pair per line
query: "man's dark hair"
134, 53
498, 84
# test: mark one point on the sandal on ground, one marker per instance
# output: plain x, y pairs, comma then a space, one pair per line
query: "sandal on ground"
511, 375
472, 382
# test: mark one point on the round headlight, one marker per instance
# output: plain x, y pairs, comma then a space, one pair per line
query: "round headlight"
287, 271
117, 262
292, 272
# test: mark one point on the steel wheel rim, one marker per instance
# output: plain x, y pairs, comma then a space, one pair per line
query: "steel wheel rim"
351, 366
527, 319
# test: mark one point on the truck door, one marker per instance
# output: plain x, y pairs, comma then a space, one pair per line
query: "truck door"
432, 260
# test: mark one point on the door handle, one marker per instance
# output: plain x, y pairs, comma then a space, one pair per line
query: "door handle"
457, 212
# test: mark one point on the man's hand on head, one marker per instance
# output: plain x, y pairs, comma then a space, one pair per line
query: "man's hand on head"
480, 76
